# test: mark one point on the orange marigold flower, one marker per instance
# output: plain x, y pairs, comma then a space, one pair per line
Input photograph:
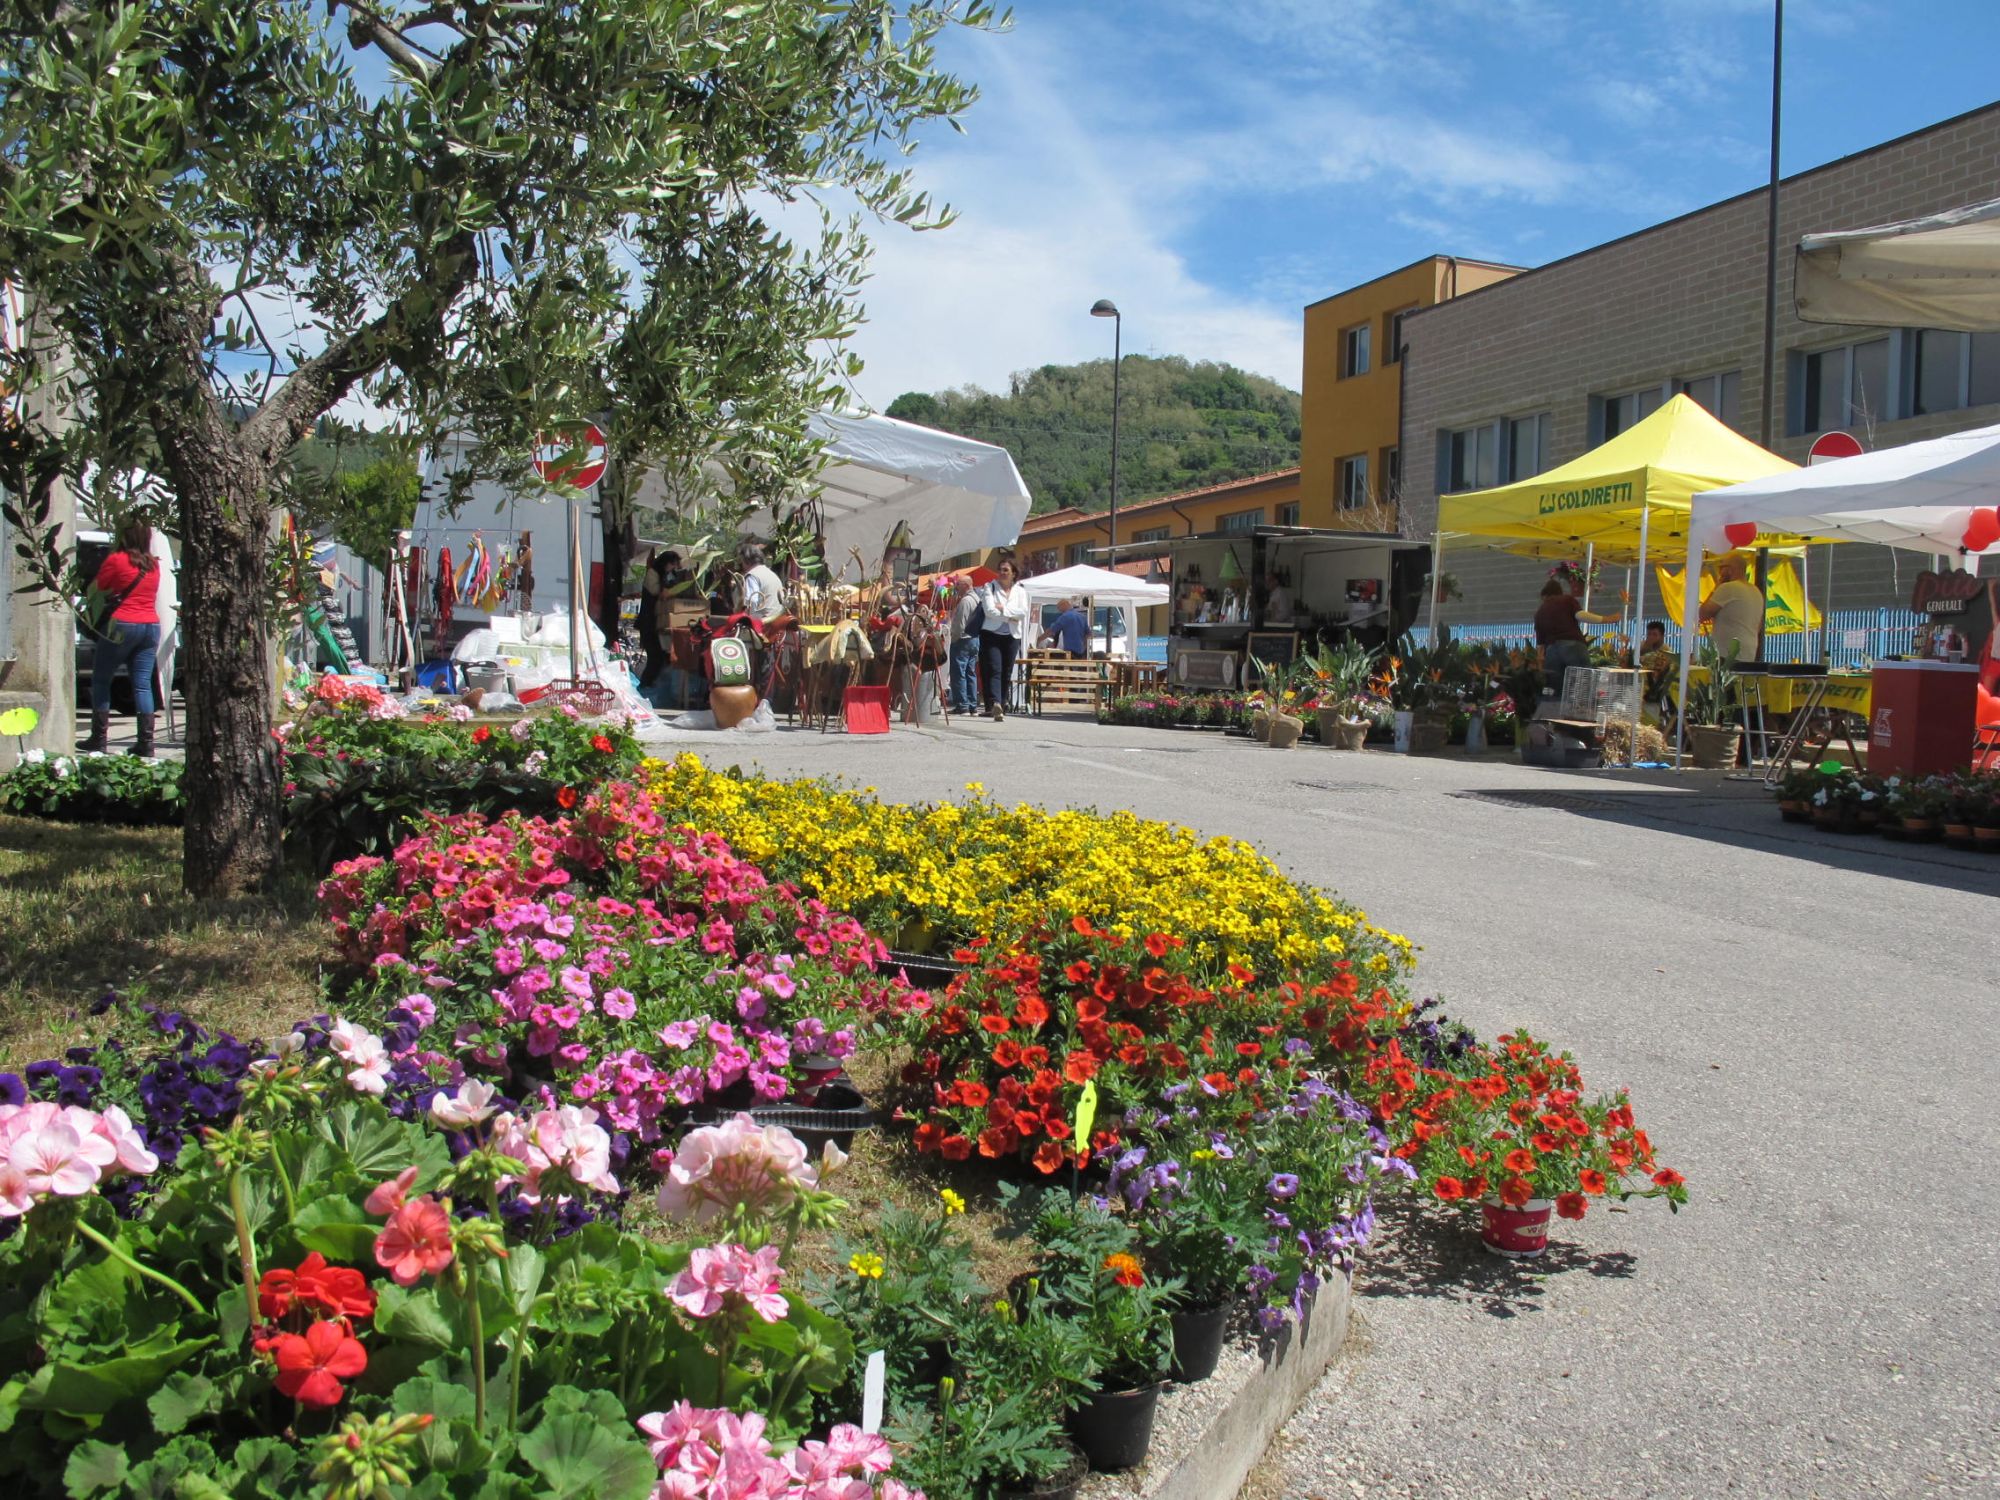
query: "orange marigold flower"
1124, 1269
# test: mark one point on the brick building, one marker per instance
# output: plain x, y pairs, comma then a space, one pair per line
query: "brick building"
1513, 378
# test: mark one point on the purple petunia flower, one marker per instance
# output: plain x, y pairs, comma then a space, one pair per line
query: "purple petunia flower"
1283, 1185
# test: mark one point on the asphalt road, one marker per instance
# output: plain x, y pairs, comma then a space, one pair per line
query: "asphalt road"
1808, 1027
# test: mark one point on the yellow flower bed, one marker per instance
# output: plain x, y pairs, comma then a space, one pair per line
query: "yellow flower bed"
929, 877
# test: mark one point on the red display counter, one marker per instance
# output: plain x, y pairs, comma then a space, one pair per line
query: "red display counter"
1922, 718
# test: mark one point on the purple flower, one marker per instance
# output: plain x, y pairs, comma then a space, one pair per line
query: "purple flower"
1283, 1185
12, 1090
1270, 1319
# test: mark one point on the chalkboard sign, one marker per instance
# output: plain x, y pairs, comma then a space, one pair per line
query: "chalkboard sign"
1276, 649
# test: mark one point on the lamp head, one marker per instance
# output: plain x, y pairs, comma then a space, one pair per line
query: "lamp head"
1104, 307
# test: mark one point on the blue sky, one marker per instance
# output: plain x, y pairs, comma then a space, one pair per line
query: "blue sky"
1214, 165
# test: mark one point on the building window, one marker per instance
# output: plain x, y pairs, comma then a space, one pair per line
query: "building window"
1073, 553
1953, 370
1527, 446
1043, 561
1354, 351
1392, 473
1843, 387
1394, 350
1616, 414
1351, 487
1153, 534
1243, 520
1469, 458
1288, 515
1716, 394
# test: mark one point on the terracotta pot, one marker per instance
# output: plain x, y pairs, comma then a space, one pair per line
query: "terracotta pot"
1198, 1333
1795, 811
1987, 839
1959, 834
1285, 731
1115, 1428
1517, 1233
1715, 745
1920, 828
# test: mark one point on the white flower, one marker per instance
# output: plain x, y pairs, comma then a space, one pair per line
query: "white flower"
535, 761
471, 1105
362, 1050
460, 713
285, 1049
62, 766
522, 729
33, 757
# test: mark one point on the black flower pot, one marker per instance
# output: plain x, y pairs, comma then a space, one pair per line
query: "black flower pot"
1198, 1335
1061, 1485
1115, 1428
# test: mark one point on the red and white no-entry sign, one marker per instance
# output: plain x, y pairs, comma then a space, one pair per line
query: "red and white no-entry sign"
574, 458
1831, 445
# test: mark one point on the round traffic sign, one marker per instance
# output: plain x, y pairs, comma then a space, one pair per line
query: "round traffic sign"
1831, 445
575, 458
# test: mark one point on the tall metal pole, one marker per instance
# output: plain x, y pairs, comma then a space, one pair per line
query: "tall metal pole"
1771, 231
1117, 365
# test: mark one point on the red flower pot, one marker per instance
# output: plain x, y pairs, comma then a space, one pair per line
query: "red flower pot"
1517, 1233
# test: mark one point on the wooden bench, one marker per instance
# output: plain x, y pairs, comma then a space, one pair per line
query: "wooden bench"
1065, 684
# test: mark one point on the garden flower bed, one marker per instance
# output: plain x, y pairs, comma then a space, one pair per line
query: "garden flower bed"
402, 1245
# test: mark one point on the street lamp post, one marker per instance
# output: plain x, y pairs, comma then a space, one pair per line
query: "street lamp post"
1105, 308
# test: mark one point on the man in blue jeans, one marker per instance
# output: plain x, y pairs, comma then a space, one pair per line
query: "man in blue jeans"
964, 648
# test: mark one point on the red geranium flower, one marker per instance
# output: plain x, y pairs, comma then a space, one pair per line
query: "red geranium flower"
311, 1367
479, 737
601, 743
1515, 1191
566, 797
336, 1291
1570, 1205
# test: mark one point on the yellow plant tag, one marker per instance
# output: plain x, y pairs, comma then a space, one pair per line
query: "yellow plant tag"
1086, 1114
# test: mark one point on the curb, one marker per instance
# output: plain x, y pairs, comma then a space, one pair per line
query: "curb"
1208, 1437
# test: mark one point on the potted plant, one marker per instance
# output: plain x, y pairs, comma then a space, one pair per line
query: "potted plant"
1710, 695
1916, 805
1197, 1219
1509, 1128
1434, 676
1844, 801
1089, 1272
1795, 791
1341, 676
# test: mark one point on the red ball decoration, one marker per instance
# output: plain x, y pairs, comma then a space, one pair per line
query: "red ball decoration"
1741, 533
1982, 531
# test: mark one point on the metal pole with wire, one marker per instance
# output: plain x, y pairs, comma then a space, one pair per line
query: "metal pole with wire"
1771, 232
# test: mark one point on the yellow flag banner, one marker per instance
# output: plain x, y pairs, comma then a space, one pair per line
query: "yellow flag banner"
1787, 610
1086, 1115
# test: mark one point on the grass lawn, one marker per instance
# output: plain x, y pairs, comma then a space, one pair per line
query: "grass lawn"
83, 906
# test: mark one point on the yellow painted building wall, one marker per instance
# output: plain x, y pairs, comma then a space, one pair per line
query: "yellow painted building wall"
1342, 416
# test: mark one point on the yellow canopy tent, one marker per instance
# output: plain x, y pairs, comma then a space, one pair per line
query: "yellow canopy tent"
1611, 503
1602, 499
1787, 610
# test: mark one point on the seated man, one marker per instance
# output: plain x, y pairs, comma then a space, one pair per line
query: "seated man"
1069, 630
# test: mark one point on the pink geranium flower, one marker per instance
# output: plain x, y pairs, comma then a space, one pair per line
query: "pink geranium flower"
389, 1196
724, 1278
736, 1162
416, 1241
366, 1058
60, 1160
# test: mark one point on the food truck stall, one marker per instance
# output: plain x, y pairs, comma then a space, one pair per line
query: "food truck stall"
1270, 594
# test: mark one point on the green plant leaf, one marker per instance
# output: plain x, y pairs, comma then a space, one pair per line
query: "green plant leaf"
579, 1458
269, 1466
180, 1400
94, 1389
338, 1228
93, 1468
415, 1316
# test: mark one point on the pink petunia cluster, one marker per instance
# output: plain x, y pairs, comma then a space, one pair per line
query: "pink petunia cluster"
707, 1454
739, 1162
64, 1151
724, 1279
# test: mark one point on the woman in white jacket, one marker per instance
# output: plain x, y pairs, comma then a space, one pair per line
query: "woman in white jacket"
1001, 630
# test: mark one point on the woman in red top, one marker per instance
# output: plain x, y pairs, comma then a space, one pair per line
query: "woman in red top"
131, 637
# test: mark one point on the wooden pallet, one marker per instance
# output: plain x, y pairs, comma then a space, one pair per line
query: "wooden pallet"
1063, 684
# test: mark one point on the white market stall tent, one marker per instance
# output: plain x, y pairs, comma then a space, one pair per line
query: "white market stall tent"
1941, 271
1105, 590
1922, 496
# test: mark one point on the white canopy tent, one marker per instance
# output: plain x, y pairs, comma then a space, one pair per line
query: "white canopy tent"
1921, 496
1942, 271
1103, 588
953, 494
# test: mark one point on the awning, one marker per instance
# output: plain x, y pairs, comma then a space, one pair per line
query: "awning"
1658, 464
1937, 272
1100, 585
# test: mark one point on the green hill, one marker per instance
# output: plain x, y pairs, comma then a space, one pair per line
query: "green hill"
1182, 425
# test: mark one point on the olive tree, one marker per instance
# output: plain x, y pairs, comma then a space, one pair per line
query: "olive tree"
487, 216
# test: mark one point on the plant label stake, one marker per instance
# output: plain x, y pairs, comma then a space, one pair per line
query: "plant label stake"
1086, 1116
872, 1381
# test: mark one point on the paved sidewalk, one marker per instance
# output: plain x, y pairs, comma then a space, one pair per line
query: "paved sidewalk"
1811, 1029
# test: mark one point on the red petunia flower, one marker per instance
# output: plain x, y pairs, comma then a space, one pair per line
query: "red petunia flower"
1515, 1191
311, 1367
1450, 1189
1249, 1049
955, 1147
1048, 1158
1078, 971
1591, 1180
1079, 1067
566, 797
1570, 1205
1518, 1160
1006, 1055
996, 1024
972, 1093
1030, 1011
930, 1136
1081, 926
1667, 1177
